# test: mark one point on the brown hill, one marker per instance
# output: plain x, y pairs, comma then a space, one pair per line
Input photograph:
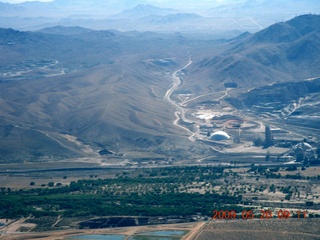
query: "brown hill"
282, 52
69, 96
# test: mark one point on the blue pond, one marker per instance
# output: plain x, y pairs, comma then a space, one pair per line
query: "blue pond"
98, 237
159, 235
164, 233
155, 235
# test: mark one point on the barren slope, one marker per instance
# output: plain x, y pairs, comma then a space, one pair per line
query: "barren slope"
282, 52
96, 91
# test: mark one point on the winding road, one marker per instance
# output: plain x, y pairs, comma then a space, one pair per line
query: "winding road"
180, 113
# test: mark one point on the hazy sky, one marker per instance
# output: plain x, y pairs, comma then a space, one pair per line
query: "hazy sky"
19, 1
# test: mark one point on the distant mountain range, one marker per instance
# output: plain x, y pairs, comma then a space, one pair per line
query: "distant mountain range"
63, 8
141, 11
284, 51
148, 15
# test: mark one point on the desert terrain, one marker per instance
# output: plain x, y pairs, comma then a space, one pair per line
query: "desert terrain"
126, 132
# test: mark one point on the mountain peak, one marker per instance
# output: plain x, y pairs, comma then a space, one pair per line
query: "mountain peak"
305, 24
283, 51
145, 7
276, 33
143, 10
288, 31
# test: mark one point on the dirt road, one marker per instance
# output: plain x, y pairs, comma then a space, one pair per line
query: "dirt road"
192, 235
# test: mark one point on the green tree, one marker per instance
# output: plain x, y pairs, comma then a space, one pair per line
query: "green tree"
267, 156
257, 141
268, 137
50, 184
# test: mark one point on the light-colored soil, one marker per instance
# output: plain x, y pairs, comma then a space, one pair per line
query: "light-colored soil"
9, 232
303, 229
195, 232
311, 172
252, 149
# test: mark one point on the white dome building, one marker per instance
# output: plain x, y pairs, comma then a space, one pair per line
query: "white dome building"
219, 136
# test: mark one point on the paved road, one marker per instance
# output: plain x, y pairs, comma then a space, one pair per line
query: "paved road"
180, 113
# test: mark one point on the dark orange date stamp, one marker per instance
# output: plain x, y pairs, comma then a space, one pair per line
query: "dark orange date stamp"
251, 214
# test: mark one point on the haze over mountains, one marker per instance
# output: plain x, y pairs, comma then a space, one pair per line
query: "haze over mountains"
72, 92
144, 15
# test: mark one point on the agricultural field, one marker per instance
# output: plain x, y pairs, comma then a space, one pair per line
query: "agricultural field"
161, 195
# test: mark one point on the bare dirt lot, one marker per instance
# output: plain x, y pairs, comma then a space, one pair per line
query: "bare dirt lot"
261, 229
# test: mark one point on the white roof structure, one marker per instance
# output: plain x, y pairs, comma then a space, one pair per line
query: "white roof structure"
219, 136
307, 145
303, 145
